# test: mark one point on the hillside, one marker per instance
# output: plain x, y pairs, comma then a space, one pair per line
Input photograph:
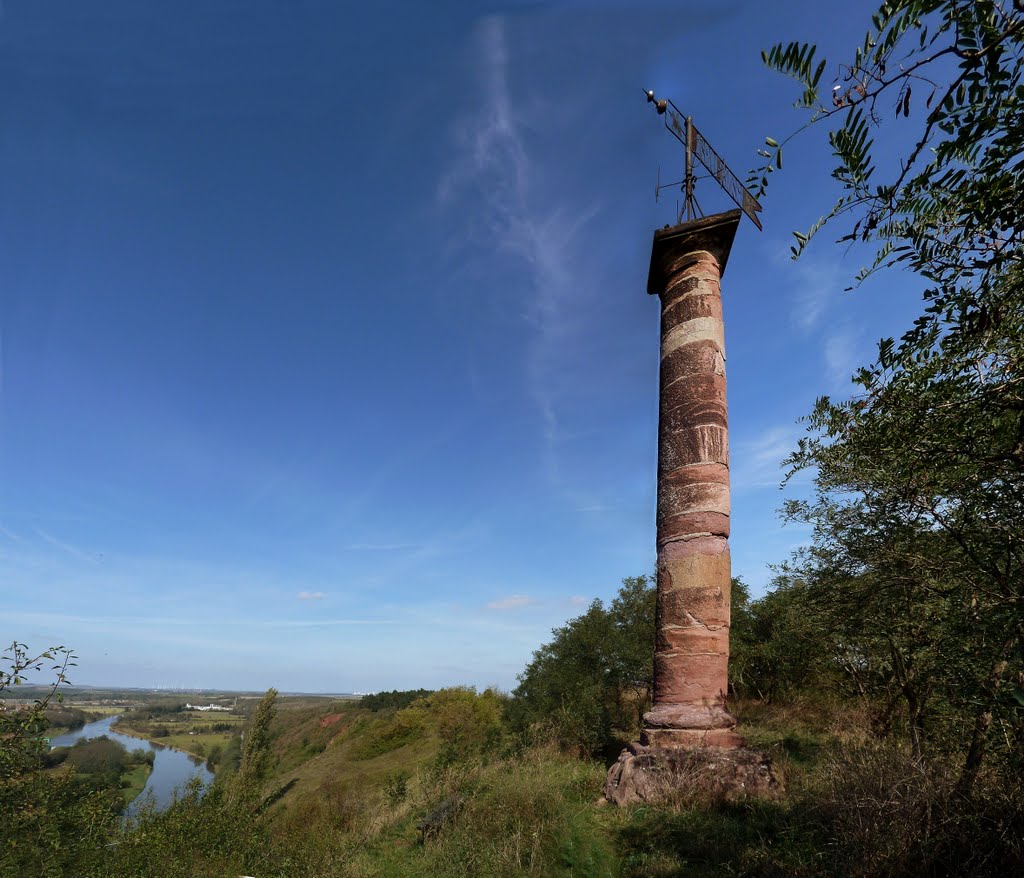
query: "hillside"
326, 746
444, 788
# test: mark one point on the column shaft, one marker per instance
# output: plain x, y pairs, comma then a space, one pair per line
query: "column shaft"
693, 569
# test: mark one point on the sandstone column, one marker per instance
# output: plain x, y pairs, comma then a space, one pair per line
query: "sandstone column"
692, 649
688, 738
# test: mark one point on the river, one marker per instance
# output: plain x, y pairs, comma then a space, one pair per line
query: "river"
172, 768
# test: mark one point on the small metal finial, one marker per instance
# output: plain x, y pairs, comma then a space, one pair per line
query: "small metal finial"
660, 106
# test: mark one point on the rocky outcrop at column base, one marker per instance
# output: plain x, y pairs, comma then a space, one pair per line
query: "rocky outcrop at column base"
660, 775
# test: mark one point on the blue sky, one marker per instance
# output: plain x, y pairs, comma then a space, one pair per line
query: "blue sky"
327, 361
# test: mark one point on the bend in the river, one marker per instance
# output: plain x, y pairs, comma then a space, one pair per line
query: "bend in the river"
172, 769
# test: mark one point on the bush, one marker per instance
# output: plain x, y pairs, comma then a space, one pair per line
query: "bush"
396, 788
594, 678
389, 734
65, 717
98, 756
469, 724
887, 813
524, 816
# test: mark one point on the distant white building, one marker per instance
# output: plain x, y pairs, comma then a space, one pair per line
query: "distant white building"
206, 707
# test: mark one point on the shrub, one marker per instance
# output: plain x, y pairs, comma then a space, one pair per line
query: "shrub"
888, 813
389, 734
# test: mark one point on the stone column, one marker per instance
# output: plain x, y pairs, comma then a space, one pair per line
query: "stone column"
688, 740
692, 649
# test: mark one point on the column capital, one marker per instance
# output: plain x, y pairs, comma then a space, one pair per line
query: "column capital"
714, 234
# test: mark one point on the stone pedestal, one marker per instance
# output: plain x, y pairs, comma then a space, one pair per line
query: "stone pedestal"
663, 775
694, 574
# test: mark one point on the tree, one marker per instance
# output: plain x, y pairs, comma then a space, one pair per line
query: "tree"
950, 207
918, 511
595, 675
777, 648
257, 754
632, 655
51, 824
101, 757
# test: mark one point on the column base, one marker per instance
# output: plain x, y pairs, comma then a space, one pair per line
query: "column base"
662, 775
692, 739
697, 716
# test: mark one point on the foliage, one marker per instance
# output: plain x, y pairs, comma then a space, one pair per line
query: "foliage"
105, 767
469, 724
856, 806
524, 814
777, 650
396, 788
257, 756
201, 833
918, 510
396, 699
950, 206
389, 734
230, 758
158, 709
22, 729
52, 825
595, 674
886, 812
62, 716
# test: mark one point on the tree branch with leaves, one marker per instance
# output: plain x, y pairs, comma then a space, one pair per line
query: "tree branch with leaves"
919, 476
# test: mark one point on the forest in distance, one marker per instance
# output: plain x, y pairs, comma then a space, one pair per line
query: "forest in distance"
882, 672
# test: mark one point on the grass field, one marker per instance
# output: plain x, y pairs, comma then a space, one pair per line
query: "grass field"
189, 731
133, 782
101, 710
197, 744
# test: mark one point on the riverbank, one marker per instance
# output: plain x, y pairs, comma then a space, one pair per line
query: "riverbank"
104, 764
129, 732
62, 720
172, 768
206, 746
205, 735
134, 781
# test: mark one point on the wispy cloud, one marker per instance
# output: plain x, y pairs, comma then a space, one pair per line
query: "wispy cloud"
842, 357
814, 287
66, 546
381, 547
512, 602
494, 166
577, 600
11, 535
311, 595
816, 284
756, 462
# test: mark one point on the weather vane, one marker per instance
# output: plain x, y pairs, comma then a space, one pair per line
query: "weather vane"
686, 133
